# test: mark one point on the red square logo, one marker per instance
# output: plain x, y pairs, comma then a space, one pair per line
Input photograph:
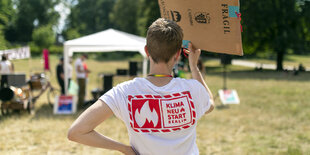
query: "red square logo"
155, 113
146, 113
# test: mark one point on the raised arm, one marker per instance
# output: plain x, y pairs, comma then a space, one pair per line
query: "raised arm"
193, 58
82, 130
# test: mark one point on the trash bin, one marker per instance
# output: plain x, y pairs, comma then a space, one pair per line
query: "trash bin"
226, 59
107, 82
133, 68
121, 72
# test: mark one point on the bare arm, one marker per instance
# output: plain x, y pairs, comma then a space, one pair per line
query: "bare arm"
62, 75
193, 61
79, 69
82, 130
12, 67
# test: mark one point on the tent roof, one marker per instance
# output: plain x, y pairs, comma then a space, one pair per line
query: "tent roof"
107, 40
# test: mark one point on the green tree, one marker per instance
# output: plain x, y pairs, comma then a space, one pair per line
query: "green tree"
148, 12
272, 26
32, 14
6, 15
124, 15
88, 16
304, 28
43, 36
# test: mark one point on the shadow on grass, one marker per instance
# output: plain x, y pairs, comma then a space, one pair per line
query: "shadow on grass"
46, 111
13, 114
259, 75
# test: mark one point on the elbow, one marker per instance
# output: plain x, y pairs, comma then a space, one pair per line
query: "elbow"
71, 135
211, 108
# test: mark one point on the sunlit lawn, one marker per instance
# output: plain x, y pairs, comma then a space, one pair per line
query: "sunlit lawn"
289, 60
273, 117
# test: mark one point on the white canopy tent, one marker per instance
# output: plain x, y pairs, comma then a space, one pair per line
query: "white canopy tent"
109, 40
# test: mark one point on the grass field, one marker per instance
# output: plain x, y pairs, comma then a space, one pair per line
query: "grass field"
289, 60
273, 117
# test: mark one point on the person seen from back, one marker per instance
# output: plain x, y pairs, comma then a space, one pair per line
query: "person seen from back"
159, 111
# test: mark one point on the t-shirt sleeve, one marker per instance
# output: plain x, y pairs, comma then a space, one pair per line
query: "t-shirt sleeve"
112, 99
203, 99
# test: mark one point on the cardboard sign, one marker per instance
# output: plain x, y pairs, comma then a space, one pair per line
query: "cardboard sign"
229, 96
64, 105
211, 25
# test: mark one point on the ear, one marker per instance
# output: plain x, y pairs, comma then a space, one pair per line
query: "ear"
178, 54
146, 51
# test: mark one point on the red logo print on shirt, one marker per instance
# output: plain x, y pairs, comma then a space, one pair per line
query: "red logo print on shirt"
155, 113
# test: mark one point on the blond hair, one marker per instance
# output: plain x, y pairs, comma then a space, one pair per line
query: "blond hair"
163, 40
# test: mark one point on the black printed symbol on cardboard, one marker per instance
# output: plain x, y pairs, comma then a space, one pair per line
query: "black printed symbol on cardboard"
202, 17
176, 16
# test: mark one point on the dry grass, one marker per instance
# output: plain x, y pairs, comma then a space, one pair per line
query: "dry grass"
273, 117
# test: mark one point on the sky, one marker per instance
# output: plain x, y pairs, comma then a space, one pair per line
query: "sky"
64, 11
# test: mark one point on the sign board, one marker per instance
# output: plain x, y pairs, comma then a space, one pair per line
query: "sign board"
211, 25
64, 105
17, 53
229, 96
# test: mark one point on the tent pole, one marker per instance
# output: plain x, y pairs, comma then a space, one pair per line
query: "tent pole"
144, 66
66, 62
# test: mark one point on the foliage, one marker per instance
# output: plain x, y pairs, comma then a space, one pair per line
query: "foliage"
71, 34
30, 15
274, 26
124, 15
43, 36
88, 16
148, 12
36, 51
6, 14
271, 28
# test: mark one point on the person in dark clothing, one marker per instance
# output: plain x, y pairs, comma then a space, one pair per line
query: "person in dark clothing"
60, 75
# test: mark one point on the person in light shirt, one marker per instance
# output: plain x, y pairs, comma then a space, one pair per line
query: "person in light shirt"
159, 111
6, 67
81, 75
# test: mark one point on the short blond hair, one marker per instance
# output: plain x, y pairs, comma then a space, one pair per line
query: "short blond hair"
163, 40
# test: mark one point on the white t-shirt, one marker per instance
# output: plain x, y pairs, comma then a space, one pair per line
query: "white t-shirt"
79, 63
70, 70
5, 67
160, 120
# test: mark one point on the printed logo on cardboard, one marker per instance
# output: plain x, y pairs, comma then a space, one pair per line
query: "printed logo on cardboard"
202, 17
155, 113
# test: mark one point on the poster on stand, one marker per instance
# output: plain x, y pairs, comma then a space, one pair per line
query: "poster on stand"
229, 96
65, 105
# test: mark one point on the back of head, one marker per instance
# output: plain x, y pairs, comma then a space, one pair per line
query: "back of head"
164, 40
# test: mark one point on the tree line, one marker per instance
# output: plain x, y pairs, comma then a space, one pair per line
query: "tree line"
271, 28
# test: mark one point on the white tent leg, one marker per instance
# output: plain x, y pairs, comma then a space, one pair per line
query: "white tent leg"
144, 66
66, 63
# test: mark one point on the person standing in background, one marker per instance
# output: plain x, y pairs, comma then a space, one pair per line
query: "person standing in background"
6, 67
81, 78
60, 75
70, 71
87, 80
